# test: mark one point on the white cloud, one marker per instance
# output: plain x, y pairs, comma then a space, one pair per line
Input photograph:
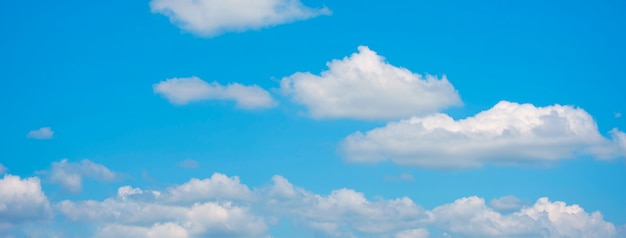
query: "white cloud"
342, 213
213, 17
185, 90
70, 175
43, 133
506, 203
364, 86
414, 233
3, 169
507, 134
188, 164
21, 200
219, 186
470, 217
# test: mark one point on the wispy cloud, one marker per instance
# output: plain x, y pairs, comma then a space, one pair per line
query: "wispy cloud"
188, 164
181, 91
214, 17
43, 133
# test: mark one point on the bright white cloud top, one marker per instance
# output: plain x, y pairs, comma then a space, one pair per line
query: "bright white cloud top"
507, 134
213, 17
21, 200
70, 175
342, 213
365, 86
43, 133
182, 91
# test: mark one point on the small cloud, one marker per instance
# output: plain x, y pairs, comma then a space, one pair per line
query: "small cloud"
3, 169
618, 115
181, 91
401, 177
213, 17
506, 203
43, 133
70, 175
188, 164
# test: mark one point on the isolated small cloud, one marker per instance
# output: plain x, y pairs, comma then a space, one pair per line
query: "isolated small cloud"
188, 164
213, 17
364, 86
507, 134
70, 175
182, 91
43, 133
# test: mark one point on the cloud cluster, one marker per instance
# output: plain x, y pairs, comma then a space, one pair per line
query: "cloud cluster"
185, 90
364, 86
507, 134
471, 217
43, 133
233, 210
213, 17
70, 175
21, 200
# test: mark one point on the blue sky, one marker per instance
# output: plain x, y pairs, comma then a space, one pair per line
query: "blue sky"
310, 118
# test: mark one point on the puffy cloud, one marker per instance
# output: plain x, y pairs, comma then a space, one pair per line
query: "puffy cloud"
507, 134
344, 212
198, 208
3, 169
43, 133
21, 200
364, 86
185, 90
470, 217
188, 164
70, 175
213, 17
219, 186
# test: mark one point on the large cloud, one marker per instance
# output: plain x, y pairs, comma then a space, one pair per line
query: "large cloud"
507, 134
213, 17
471, 217
70, 175
341, 213
21, 200
185, 90
364, 86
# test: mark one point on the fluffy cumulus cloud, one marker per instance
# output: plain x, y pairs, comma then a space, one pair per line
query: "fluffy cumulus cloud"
343, 212
507, 134
213, 17
43, 133
221, 206
471, 217
364, 86
70, 175
181, 91
21, 200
